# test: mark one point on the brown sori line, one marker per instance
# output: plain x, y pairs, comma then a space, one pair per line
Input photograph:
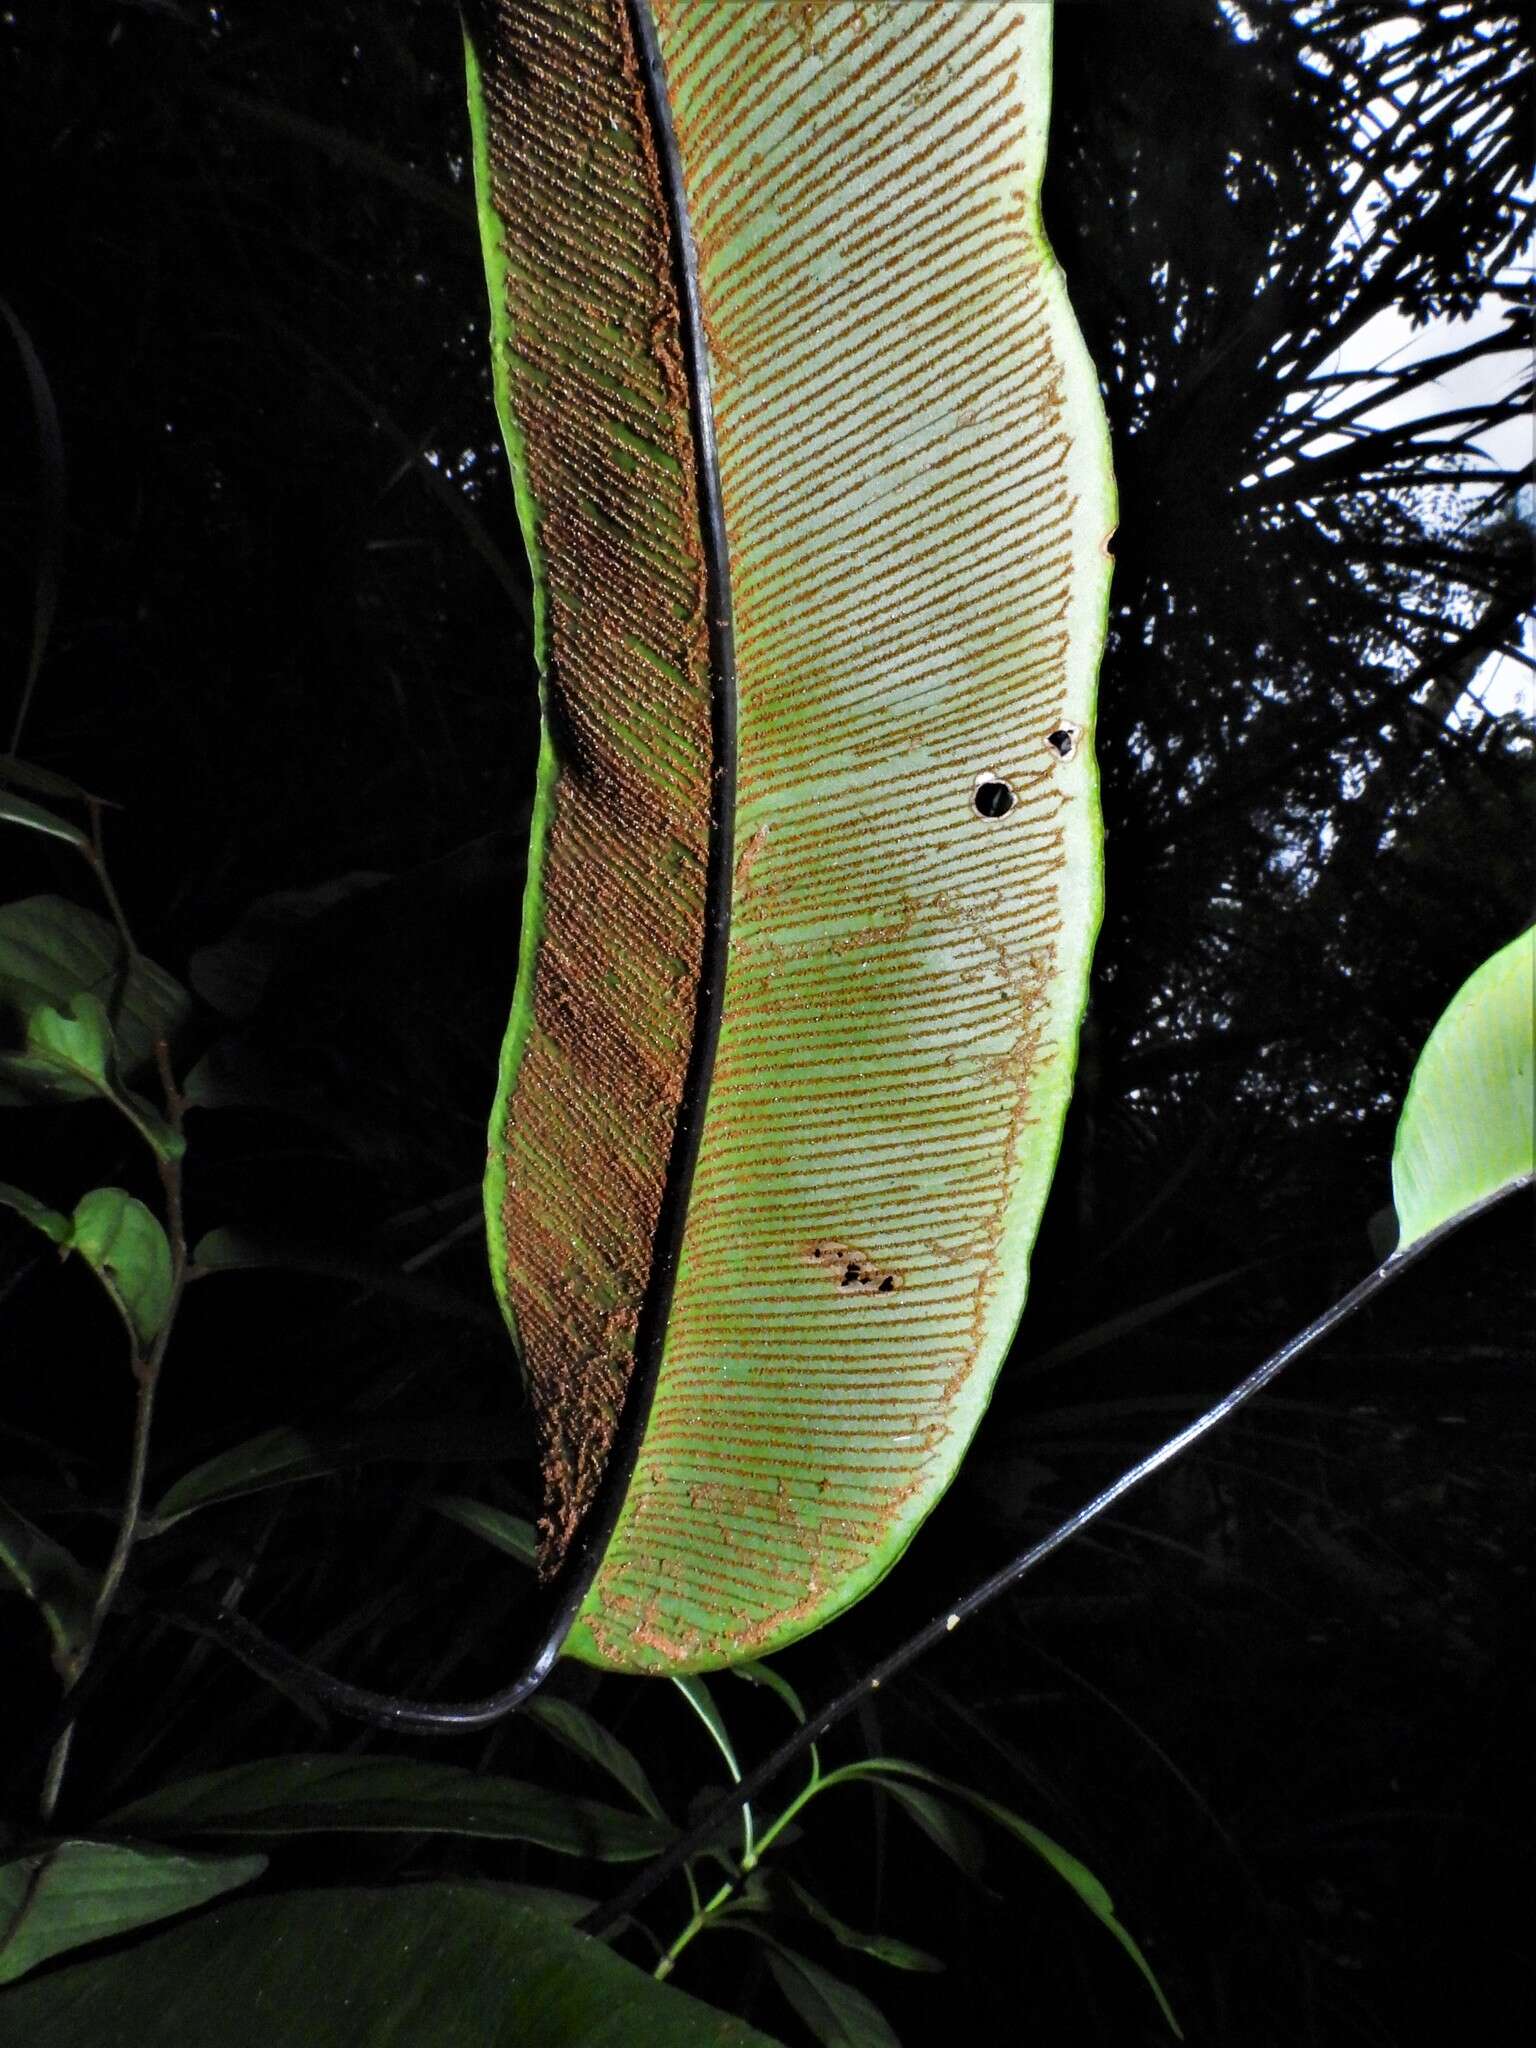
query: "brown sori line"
895, 510
787, 648
919, 43
954, 377
817, 177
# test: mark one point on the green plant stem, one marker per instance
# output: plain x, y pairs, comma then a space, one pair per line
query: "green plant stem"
146, 1372
713, 1909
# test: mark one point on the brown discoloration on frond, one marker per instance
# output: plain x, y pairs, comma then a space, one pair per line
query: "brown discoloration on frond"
598, 387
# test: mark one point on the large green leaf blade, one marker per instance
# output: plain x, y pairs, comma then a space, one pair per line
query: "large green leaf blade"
1468, 1128
868, 412
424, 1966
66, 1894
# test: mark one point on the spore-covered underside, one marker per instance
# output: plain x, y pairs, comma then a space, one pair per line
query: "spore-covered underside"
594, 383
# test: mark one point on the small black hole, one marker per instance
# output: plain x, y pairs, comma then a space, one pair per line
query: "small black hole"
993, 799
886, 1285
852, 1277
1062, 742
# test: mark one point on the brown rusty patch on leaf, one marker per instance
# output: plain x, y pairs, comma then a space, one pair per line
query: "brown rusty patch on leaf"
597, 382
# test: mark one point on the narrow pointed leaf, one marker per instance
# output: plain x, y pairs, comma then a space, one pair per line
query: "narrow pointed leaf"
814, 481
69, 1055
313, 1795
20, 810
65, 1894
420, 1966
512, 1534
881, 1948
777, 1684
699, 1697
1067, 1867
49, 1221
949, 1831
586, 1737
281, 1456
21, 774
1468, 1129
837, 2014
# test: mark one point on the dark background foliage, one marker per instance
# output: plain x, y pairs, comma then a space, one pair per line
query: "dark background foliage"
1282, 1704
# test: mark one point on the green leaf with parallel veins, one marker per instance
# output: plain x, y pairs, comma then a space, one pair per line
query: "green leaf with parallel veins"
63, 1591
816, 497
418, 1966
313, 1795
1467, 1133
65, 1894
126, 1248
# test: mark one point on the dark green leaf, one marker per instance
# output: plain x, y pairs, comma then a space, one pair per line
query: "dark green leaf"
424, 1966
68, 1893
64, 1591
764, 1674
50, 505
49, 1221
949, 1831
125, 1246
576, 1728
308, 1795
68, 1055
837, 2014
1062, 1861
50, 951
232, 974
279, 1457
698, 1696
513, 1534
41, 781
236, 1251
882, 1948
19, 810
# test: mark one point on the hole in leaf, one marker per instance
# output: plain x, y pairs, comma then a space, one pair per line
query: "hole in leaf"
992, 798
1063, 742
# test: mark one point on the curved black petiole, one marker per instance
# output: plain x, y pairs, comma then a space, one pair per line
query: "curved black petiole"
605, 1918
